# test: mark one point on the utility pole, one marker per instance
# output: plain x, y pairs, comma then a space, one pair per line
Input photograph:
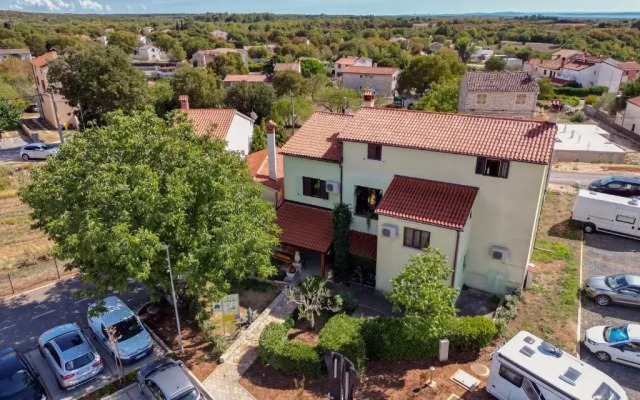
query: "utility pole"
175, 302
293, 123
55, 111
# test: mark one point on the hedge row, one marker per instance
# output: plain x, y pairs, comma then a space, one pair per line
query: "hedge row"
342, 334
292, 358
580, 92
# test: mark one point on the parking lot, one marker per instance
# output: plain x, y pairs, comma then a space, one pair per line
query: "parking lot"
607, 255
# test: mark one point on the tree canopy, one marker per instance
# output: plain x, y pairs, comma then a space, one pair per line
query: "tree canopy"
97, 79
311, 66
10, 115
251, 97
203, 87
465, 47
281, 111
290, 82
423, 71
228, 64
337, 99
443, 97
126, 41
115, 194
495, 64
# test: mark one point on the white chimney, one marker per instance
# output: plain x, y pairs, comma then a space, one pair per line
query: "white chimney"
368, 98
554, 109
271, 151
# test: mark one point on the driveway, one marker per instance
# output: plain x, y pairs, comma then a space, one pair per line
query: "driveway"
10, 148
605, 255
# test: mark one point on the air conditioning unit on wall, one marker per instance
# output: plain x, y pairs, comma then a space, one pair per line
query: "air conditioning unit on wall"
390, 231
499, 253
332, 187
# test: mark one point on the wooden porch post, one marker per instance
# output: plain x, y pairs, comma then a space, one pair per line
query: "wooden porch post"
322, 265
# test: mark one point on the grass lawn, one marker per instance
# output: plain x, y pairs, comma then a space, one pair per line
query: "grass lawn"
549, 308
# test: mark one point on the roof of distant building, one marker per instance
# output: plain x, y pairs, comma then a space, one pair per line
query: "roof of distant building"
430, 202
629, 65
511, 139
212, 121
43, 59
258, 164
282, 67
500, 82
317, 137
253, 78
352, 69
14, 51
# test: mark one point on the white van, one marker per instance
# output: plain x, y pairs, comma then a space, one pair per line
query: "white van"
617, 215
528, 368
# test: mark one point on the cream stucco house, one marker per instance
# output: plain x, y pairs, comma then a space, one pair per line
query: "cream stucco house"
54, 108
471, 186
630, 117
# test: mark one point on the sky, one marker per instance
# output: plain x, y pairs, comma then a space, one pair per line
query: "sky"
377, 7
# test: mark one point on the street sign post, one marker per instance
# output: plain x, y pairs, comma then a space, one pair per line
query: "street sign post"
230, 306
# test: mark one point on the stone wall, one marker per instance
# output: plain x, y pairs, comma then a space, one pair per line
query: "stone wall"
610, 121
383, 84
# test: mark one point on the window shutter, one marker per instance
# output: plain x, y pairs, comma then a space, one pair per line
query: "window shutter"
306, 186
323, 190
480, 161
504, 169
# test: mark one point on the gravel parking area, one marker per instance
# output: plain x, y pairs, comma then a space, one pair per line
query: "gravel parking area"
606, 255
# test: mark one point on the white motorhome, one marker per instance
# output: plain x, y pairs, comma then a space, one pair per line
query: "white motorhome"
617, 215
528, 368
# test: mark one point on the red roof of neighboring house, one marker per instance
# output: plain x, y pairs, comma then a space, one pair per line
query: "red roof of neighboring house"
577, 66
317, 137
370, 70
429, 202
629, 65
214, 121
363, 244
566, 53
253, 78
511, 139
548, 64
258, 164
43, 59
307, 227
635, 101
347, 60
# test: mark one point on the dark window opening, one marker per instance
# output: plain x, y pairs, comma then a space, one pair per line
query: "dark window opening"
511, 376
492, 167
367, 200
374, 152
416, 238
313, 187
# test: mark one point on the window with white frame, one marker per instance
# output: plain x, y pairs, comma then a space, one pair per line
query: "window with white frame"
521, 98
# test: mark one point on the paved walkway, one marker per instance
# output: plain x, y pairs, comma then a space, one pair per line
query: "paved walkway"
223, 382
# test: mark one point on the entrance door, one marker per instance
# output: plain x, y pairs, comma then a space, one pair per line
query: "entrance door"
626, 222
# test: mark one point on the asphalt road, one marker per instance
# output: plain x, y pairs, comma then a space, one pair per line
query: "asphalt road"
24, 317
570, 178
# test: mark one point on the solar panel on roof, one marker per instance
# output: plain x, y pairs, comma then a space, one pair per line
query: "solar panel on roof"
527, 351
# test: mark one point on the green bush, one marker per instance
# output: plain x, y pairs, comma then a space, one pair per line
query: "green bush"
572, 101
579, 117
342, 334
580, 92
591, 99
292, 358
349, 302
470, 333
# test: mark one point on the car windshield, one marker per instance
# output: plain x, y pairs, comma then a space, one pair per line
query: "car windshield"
190, 395
605, 392
48, 146
613, 334
15, 383
127, 328
79, 362
604, 181
615, 281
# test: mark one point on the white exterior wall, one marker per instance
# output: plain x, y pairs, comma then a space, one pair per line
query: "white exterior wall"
631, 118
610, 77
239, 135
297, 167
498, 103
150, 54
383, 85
505, 210
21, 56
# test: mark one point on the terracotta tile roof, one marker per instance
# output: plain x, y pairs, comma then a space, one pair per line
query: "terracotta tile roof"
474, 135
43, 59
635, 101
258, 164
307, 227
282, 67
347, 60
245, 78
203, 120
500, 82
429, 202
370, 70
577, 66
317, 137
548, 64
566, 53
363, 244
629, 65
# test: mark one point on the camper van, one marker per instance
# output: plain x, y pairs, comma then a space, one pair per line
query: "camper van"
594, 211
528, 368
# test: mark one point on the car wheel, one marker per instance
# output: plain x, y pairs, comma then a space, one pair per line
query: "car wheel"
25, 157
602, 300
589, 228
602, 356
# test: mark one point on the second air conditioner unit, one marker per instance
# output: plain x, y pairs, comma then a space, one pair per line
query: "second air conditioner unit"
390, 231
499, 253
332, 187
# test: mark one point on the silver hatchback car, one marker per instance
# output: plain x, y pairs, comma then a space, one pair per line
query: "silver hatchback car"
37, 151
621, 288
164, 379
70, 354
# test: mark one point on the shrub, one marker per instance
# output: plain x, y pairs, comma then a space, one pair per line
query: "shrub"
579, 117
349, 302
342, 334
580, 92
572, 101
591, 99
470, 333
292, 358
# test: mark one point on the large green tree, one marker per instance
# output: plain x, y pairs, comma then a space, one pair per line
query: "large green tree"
311, 66
126, 41
251, 97
495, 64
204, 88
281, 111
423, 71
115, 194
290, 82
10, 115
228, 64
465, 47
97, 79
443, 97
337, 99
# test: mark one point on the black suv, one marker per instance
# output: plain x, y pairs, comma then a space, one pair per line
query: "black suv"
617, 185
18, 381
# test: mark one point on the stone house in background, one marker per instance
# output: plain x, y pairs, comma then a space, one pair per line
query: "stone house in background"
382, 80
45, 99
203, 57
23, 54
345, 62
504, 94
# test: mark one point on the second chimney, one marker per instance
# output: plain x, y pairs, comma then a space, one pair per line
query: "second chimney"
368, 98
271, 151
184, 101
554, 109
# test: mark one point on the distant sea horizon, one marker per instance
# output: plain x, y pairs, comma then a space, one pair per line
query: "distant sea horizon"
568, 15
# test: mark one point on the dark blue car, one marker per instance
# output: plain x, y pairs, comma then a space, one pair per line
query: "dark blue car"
18, 381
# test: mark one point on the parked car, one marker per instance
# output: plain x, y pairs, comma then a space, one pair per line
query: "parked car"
134, 342
32, 109
37, 151
164, 379
621, 288
601, 212
18, 381
624, 186
70, 355
615, 343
